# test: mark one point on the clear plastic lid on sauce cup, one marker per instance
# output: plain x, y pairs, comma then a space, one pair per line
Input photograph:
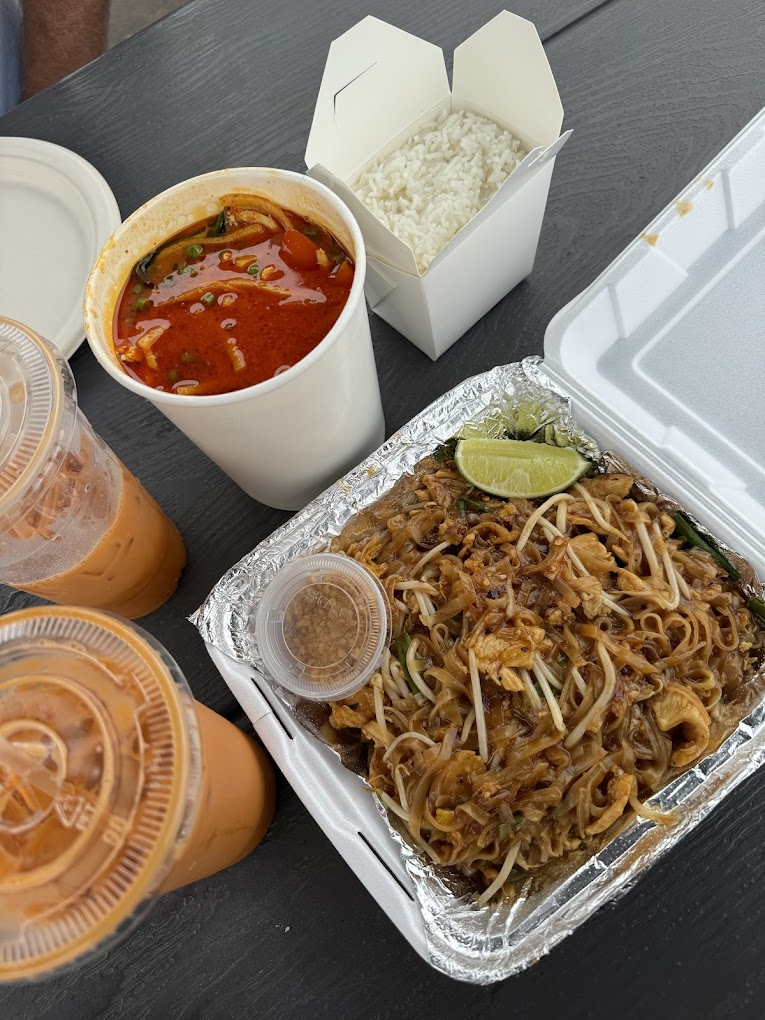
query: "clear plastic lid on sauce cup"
321, 626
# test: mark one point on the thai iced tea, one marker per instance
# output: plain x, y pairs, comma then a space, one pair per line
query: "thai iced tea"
75, 526
115, 786
133, 569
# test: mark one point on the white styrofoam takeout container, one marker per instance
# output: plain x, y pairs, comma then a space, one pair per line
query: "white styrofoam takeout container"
380, 85
282, 440
662, 357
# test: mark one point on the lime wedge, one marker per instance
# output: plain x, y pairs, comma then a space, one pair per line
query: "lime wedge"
514, 468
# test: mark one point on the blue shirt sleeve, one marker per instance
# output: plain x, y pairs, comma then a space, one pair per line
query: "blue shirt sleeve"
10, 54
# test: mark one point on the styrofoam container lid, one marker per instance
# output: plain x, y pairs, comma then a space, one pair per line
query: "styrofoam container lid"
321, 626
666, 347
57, 210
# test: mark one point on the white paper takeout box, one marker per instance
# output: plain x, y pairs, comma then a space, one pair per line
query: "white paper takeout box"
380, 86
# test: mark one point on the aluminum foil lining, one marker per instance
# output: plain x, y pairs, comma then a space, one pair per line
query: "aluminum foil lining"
483, 945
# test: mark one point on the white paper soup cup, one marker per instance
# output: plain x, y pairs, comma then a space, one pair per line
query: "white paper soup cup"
285, 439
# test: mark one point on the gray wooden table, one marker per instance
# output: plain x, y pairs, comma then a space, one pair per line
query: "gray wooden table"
653, 89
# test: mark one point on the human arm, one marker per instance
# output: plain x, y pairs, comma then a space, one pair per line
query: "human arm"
59, 37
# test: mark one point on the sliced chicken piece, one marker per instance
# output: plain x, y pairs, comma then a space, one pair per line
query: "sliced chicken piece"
343, 716
614, 484
507, 647
590, 592
553, 563
510, 680
679, 709
627, 581
363, 701
595, 558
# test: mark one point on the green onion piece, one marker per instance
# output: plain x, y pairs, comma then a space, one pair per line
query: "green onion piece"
142, 304
137, 288
141, 268
208, 298
187, 357
445, 451
219, 226
173, 375
484, 508
757, 609
194, 251
686, 530
402, 647
508, 828
254, 269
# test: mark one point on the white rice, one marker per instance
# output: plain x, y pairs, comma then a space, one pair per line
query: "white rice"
436, 181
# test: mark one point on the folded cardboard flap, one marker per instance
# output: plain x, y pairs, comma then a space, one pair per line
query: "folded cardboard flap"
377, 80
502, 71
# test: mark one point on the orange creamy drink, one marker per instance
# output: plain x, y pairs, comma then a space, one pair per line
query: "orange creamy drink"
115, 785
75, 526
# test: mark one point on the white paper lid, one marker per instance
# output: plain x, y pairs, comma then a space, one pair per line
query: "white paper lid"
57, 213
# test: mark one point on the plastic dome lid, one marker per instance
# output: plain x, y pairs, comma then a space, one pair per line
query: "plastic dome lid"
321, 626
99, 770
29, 402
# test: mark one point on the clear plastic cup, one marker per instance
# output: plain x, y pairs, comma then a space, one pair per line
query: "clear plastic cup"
115, 786
76, 527
321, 626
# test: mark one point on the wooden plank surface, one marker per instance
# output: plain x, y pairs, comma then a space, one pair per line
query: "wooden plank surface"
652, 90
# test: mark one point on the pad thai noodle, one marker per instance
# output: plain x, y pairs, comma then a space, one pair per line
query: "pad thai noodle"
553, 664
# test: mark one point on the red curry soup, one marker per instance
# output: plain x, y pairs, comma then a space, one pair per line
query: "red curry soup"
232, 301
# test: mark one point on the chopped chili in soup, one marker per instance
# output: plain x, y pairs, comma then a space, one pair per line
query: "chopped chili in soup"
232, 301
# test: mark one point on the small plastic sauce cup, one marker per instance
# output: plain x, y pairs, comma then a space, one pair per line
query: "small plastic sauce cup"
321, 626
